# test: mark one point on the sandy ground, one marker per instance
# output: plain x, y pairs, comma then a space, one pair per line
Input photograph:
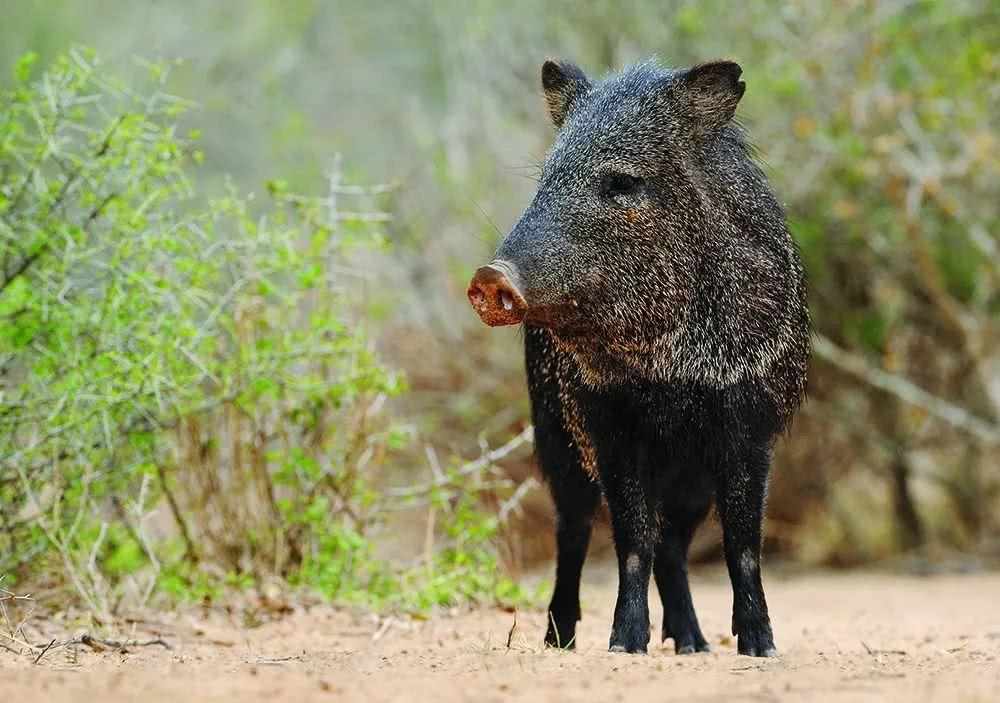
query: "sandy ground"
842, 637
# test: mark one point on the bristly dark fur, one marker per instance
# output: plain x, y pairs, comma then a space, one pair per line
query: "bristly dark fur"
667, 338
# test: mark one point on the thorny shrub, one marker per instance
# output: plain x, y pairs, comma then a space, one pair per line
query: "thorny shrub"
189, 400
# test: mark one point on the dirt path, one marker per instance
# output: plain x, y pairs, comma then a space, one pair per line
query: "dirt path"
855, 637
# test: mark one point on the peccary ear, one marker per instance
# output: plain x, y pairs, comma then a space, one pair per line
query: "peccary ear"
564, 85
713, 90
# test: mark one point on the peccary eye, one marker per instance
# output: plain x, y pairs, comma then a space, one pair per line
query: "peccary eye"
618, 184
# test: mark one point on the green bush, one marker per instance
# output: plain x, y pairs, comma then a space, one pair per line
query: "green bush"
188, 401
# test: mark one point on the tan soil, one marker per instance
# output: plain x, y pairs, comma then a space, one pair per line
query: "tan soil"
842, 637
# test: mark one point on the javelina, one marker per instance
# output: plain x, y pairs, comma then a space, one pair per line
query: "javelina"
666, 337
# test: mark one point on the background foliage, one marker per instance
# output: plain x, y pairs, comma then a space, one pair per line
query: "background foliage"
876, 122
188, 399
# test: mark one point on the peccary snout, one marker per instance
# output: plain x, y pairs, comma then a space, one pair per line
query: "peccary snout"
496, 296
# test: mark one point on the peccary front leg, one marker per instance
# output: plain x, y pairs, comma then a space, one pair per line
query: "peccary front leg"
576, 498
631, 522
670, 569
742, 485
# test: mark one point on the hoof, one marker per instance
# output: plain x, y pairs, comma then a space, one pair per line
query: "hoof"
755, 640
757, 650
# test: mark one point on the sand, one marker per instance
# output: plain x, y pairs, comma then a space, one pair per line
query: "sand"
842, 637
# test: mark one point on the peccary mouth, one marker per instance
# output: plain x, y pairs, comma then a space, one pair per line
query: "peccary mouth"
563, 319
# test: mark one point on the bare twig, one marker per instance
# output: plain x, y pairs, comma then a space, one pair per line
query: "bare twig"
513, 503
277, 661
119, 646
8, 596
175, 510
905, 390
383, 629
42, 653
486, 460
10, 649
876, 652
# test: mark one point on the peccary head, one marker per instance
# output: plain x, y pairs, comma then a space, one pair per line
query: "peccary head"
653, 248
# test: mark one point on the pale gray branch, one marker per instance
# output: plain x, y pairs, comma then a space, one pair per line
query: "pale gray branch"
473, 467
907, 391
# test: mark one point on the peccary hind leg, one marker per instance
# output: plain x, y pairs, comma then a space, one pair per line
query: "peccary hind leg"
742, 484
576, 499
670, 569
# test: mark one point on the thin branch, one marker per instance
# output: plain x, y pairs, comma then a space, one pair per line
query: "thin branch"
175, 509
101, 645
23, 266
42, 653
121, 646
905, 390
488, 459
513, 504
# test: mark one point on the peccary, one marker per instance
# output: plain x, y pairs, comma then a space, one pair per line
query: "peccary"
666, 337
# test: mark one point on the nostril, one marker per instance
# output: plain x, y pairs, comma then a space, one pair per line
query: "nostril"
506, 300
494, 294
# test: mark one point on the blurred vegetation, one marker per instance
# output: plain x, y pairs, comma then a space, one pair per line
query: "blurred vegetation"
876, 121
188, 400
